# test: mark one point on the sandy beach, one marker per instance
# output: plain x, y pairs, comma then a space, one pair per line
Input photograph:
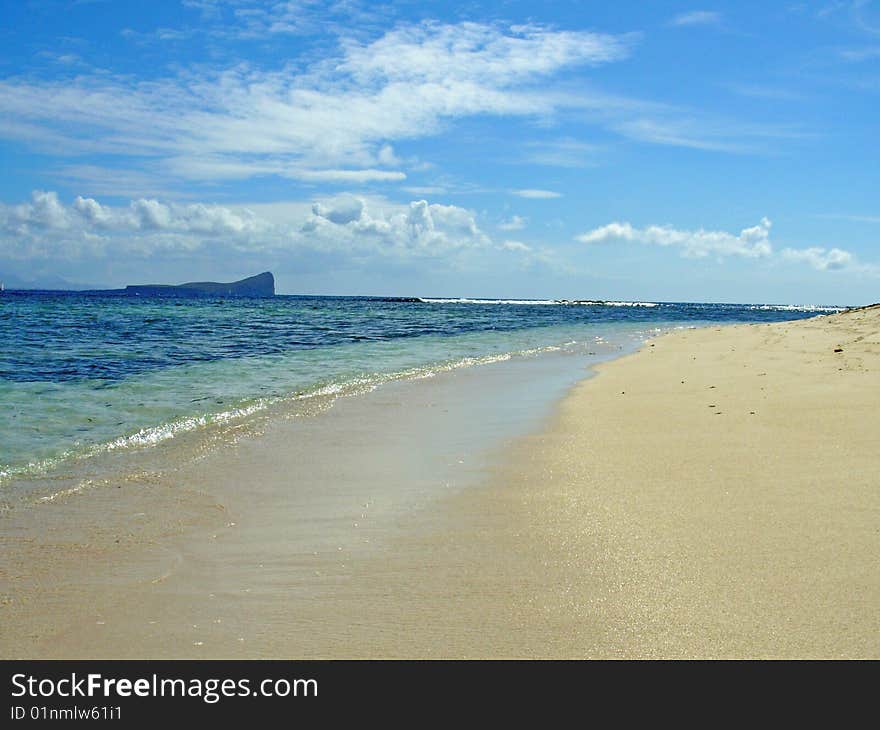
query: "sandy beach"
715, 494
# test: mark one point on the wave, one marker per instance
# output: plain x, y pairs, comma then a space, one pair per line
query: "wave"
545, 302
620, 304
797, 308
626, 303
465, 300
153, 435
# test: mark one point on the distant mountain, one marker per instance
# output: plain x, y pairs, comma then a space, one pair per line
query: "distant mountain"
51, 282
261, 285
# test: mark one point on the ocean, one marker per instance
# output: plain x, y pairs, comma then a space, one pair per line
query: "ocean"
83, 376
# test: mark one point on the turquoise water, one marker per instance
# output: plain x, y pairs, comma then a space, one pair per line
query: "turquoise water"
83, 374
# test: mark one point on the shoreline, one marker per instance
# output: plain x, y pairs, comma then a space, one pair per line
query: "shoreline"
641, 523
730, 515
733, 515
713, 495
283, 510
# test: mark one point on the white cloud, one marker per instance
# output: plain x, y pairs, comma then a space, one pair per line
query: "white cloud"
854, 218
68, 59
858, 55
92, 212
537, 194
425, 189
697, 17
516, 223
98, 180
609, 232
831, 259
564, 152
750, 243
351, 176
421, 228
476, 53
342, 210
331, 121
43, 212
675, 133
753, 242
46, 228
821, 259
705, 133
250, 19
515, 246
151, 214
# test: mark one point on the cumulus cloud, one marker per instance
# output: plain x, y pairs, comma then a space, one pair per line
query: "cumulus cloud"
45, 227
753, 242
340, 211
421, 228
93, 212
821, 259
537, 194
609, 232
44, 211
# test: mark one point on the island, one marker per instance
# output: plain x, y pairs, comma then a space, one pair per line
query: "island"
261, 285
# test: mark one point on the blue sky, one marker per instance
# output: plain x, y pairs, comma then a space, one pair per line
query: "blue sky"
627, 150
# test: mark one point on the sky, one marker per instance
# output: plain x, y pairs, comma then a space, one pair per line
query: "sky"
671, 151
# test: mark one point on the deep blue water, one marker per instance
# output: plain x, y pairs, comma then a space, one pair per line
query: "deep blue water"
82, 372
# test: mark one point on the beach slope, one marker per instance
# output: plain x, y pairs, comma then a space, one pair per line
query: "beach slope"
716, 494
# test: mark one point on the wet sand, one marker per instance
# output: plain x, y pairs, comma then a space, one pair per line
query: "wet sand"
271, 539
715, 494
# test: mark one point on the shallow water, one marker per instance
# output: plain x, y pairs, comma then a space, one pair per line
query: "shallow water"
264, 547
90, 375
314, 521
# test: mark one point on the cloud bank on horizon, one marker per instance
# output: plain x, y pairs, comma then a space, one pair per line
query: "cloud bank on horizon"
362, 150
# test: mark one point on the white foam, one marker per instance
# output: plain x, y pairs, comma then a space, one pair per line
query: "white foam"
629, 304
464, 300
544, 302
154, 435
798, 307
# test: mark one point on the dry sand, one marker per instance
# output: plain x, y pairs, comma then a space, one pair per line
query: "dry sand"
716, 494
